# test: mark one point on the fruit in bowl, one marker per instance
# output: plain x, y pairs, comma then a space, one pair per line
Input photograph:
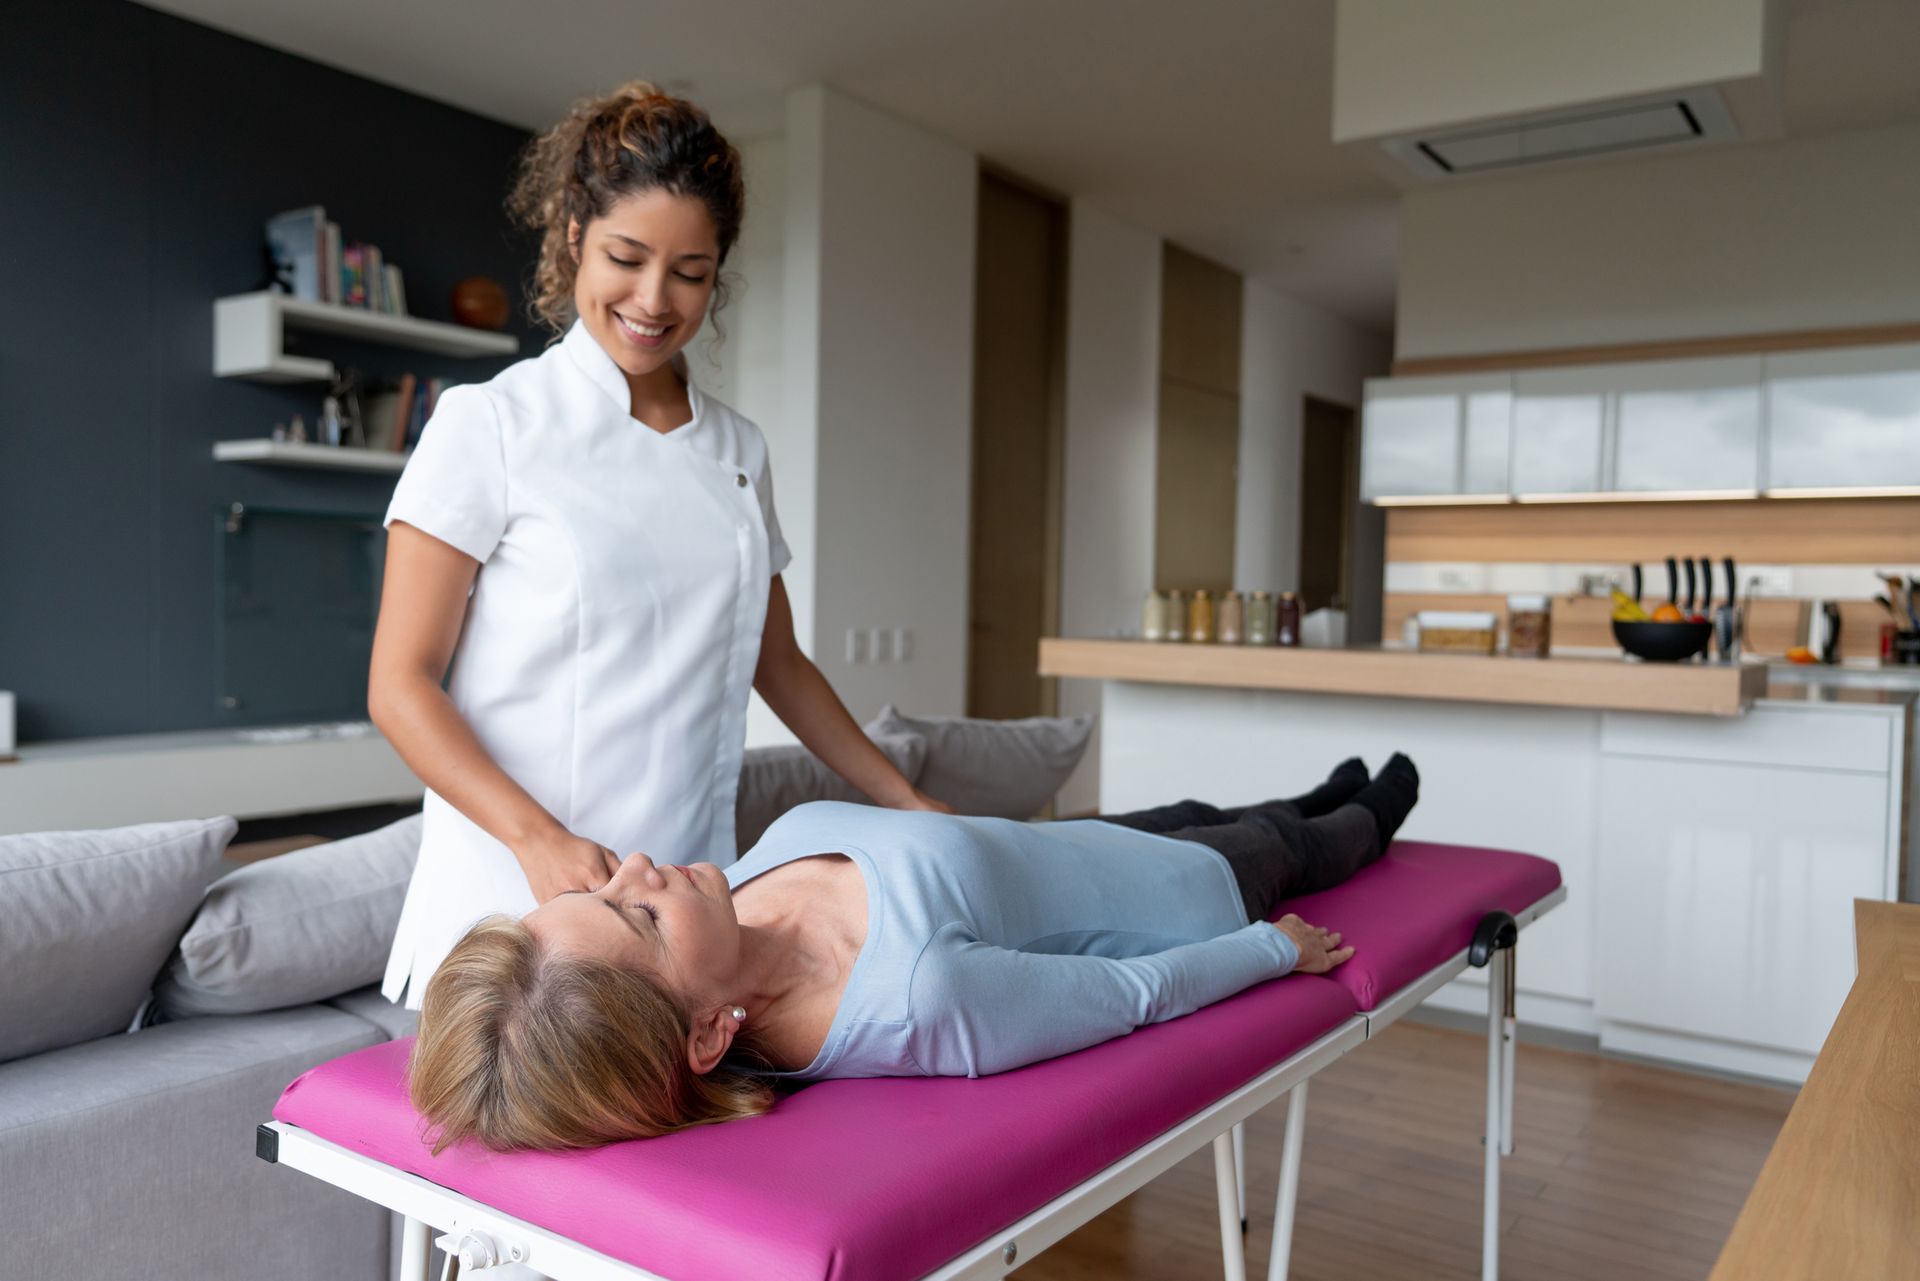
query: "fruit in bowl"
1663, 642
1669, 613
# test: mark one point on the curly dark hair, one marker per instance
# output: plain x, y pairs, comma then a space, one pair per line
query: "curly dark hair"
633, 140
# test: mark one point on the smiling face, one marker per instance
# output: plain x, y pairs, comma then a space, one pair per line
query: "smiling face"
676, 923
646, 277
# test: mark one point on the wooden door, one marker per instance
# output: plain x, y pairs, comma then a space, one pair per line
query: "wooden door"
1327, 488
1013, 596
1197, 457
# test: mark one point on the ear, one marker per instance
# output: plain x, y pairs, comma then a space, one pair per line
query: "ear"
573, 239
709, 1039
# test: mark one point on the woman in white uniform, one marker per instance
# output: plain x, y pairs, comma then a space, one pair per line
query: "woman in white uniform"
590, 543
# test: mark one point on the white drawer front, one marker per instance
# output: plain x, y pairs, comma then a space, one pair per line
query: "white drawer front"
1725, 896
1764, 736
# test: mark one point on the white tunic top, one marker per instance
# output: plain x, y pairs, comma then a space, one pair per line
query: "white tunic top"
613, 630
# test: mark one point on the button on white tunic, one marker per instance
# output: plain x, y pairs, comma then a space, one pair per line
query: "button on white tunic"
613, 630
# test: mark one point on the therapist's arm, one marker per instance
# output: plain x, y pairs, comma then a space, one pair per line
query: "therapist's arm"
800, 696
423, 604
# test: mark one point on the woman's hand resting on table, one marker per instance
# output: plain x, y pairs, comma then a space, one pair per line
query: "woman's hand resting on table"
561, 862
1320, 949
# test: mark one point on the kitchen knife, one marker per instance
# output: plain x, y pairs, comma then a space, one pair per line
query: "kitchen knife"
1673, 582
1637, 582
1687, 608
1706, 586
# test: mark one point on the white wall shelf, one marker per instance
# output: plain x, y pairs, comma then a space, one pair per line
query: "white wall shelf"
249, 332
286, 454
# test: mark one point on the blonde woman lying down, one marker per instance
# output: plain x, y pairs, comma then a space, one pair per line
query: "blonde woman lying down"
854, 941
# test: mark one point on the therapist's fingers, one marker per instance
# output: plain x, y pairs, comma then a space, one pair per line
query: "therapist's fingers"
611, 862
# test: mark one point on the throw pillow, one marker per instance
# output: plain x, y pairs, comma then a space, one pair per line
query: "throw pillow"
1001, 769
775, 779
295, 928
87, 920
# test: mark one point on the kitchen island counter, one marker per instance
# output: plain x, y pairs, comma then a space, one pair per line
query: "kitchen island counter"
1595, 683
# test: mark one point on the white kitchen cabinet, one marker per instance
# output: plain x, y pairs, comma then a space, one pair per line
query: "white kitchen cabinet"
1686, 426
1559, 431
1435, 437
1844, 419
1725, 885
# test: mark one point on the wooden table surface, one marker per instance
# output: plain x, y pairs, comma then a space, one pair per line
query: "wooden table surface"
1839, 1195
1606, 684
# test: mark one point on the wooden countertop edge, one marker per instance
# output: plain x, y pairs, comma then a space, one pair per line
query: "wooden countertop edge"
1838, 1193
1590, 684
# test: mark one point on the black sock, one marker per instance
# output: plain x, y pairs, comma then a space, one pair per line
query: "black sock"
1391, 796
1348, 777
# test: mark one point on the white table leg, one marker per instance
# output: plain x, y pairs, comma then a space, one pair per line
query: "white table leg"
416, 1245
1496, 1113
1240, 1169
1289, 1196
1233, 1248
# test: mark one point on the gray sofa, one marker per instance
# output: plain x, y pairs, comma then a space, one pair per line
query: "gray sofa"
131, 1154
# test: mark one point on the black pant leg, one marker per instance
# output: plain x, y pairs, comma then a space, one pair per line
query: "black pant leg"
1276, 856
1162, 819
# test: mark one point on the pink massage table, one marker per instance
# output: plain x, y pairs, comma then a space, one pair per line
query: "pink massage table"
881, 1180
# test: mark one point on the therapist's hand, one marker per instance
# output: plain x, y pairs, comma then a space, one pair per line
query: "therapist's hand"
562, 862
1320, 949
919, 800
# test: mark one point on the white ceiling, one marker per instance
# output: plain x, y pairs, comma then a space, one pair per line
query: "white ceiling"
1207, 121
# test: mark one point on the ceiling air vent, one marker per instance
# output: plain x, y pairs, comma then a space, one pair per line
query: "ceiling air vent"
1566, 135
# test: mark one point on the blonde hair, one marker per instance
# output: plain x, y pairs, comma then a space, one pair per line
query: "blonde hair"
633, 140
522, 1046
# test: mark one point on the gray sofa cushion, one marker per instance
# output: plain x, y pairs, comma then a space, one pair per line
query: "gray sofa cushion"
1001, 769
775, 779
132, 1156
294, 928
87, 920
395, 1021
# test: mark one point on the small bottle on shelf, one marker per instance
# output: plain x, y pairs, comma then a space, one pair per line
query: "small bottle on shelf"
1200, 618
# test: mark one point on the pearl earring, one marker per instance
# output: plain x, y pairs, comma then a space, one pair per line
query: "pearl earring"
739, 1014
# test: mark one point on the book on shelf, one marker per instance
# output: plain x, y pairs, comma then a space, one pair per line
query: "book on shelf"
393, 412
311, 261
294, 240
330, 263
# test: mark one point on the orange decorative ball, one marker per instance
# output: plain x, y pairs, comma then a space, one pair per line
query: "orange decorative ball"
480, 303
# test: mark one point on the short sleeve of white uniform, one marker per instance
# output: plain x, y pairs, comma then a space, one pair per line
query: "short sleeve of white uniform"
778, 557
455, 484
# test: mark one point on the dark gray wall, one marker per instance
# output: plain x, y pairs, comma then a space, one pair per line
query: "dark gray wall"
139, 156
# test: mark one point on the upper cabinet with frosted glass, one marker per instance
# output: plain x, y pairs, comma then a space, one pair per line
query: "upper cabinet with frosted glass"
1686, 427
1843, 420
1436, 438
1834, 421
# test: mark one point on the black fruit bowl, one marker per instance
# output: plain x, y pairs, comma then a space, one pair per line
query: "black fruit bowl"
1663, 642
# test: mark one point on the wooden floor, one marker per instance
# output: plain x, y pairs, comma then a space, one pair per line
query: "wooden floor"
1619, 1170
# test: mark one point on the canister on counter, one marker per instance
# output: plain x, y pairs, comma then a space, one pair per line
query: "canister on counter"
1200, 618
1231, 626
1529, 626
1176, 629
1286, 627
1260, 618
1153, 617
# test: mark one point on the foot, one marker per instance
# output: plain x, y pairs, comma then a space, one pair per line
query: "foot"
1348, 777
1391, 796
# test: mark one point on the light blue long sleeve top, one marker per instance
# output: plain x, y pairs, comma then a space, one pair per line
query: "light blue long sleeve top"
991, 944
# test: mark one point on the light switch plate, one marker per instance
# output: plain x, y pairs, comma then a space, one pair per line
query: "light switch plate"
857, 649
902, 644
